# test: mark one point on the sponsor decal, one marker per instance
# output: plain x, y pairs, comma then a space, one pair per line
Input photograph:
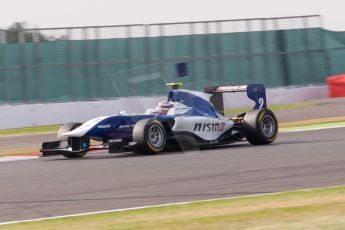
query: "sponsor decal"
232, 88
115, 140
103, 126
209, 127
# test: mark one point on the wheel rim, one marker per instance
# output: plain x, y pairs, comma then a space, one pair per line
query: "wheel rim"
156, 136
268, 126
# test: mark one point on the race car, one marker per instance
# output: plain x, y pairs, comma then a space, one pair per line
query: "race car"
186, 120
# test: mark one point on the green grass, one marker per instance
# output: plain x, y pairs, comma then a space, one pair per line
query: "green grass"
29, 130
313, 126
329, 121
312, 209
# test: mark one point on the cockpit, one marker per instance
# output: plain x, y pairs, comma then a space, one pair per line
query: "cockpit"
185, 102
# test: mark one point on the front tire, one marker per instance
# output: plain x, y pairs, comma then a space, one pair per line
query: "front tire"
66, 128
260, 127
73, 155
150, 136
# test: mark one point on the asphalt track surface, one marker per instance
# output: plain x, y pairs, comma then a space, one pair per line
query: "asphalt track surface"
58, 186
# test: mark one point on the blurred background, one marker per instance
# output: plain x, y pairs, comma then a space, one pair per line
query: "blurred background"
100, 62
58, 63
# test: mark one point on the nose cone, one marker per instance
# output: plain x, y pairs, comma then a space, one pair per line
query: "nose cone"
84, 128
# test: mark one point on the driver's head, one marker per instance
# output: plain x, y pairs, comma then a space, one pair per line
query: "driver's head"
164, 106
175, 87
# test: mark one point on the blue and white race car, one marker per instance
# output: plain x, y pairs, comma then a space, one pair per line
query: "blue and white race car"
186, 120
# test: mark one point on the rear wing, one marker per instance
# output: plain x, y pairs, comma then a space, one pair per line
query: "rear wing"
255, 92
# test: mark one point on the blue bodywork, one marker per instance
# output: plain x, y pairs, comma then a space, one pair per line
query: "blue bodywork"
116, 132
120, 126
257, 93
198, 105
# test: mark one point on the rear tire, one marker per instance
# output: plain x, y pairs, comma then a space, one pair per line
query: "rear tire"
260, 127
150, 136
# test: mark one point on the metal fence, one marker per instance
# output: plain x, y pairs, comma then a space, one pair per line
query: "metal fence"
86, 63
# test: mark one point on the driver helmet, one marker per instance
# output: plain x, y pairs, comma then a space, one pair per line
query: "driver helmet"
163, 107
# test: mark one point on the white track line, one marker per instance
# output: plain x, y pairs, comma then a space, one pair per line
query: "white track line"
161, 205
17, 158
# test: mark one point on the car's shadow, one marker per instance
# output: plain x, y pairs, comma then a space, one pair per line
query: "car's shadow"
238, 145
105, 155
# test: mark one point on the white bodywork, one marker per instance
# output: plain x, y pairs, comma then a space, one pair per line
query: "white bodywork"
178, 109
207, 128
204, 127
84, 128
205, 96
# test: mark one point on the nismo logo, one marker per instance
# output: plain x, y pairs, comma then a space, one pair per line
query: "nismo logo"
209, 127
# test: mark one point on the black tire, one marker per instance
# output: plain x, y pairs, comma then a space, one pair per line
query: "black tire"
260, 127
150, 136
73, 155
66, 128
